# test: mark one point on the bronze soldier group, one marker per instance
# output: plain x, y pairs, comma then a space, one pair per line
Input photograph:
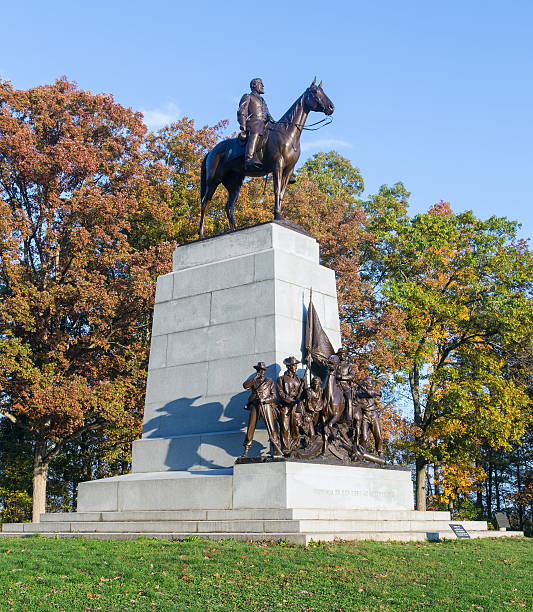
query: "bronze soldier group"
300, 418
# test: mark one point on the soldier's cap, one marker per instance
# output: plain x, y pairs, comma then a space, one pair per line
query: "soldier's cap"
290, 361
260, 366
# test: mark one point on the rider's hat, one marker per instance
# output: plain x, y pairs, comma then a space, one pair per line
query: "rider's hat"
260, 366
290, 361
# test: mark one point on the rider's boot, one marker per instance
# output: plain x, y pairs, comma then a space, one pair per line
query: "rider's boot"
292, 180
250, 160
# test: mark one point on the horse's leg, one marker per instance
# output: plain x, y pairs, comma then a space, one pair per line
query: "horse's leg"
205, 205
277, 176
280, 185
233, 184
209, 183
378, 438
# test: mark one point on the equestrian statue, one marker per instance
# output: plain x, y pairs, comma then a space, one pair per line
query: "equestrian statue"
263, 147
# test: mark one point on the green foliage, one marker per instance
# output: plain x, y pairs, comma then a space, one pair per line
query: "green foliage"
15, 506
334, 176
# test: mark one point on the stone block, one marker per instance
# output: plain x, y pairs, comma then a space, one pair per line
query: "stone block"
231, 339
219, 248
51, 526
55, 517
176, 492
243, 302
290, 335
285, 239
264, 266
139, 527
98, 495
163, 289
154, 515
158, 491
216, 414
235, 525
195, 452
183, 381
304, 272
227, 375
158, 352
187, 347
293, 484
179, 315
291, 300
265, 334
330, 318
243, 513
213, 277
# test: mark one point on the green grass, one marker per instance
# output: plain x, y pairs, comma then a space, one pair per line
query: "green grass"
43, 574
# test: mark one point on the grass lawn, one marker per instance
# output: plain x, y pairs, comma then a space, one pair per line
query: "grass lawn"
45, 574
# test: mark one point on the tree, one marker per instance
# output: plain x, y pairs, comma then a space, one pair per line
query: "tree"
76, 295
464, 286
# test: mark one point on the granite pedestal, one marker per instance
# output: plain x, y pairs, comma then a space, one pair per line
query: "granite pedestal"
229, 302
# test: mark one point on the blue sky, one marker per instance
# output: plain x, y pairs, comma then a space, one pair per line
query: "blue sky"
437, 95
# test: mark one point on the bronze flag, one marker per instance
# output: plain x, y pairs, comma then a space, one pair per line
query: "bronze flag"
317, 343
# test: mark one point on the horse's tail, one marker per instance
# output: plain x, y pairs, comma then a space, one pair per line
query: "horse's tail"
203, 179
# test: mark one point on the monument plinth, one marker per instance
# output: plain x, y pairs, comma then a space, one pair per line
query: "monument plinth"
230, 302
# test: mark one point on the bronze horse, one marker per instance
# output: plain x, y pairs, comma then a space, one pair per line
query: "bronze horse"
334, 411
281, 150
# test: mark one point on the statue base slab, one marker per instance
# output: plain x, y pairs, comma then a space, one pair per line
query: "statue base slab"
294, 501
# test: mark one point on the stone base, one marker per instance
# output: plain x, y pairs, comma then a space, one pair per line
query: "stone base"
158, 491
278, 500
302, 484
273, 484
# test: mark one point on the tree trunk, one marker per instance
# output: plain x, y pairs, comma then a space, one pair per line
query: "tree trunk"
436, 482
420, 483
451, 507
40, 474
479, 495
518, 487
497, 489
489, 490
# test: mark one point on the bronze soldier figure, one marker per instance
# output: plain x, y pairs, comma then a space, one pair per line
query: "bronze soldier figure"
289, 387
367, 396
261, 403
225, 163
253, 116
344, 376
312, 406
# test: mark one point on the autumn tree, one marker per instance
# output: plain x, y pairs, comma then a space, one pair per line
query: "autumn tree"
464, 287
75, 292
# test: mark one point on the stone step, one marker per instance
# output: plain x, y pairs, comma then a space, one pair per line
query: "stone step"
291, 538
252, 514
242, 525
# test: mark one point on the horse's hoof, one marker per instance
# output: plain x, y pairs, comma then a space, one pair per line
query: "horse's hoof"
279, 217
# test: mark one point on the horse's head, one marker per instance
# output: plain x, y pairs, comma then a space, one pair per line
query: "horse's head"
316, 99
